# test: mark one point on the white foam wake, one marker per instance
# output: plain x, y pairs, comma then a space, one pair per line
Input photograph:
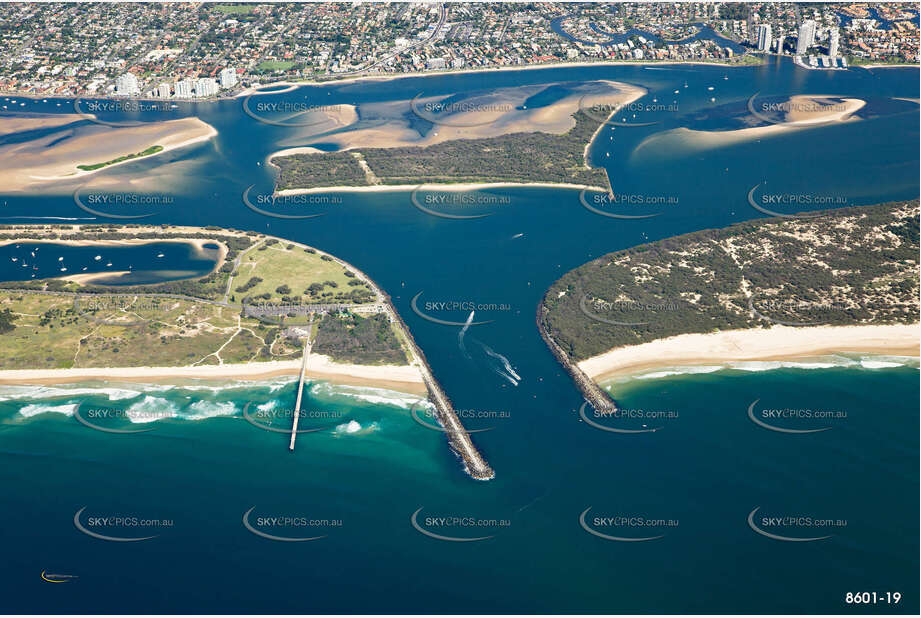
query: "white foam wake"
35, 409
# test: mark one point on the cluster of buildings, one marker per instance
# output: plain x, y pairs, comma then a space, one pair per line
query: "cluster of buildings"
184, 50
831, 35
805, 41
127, 84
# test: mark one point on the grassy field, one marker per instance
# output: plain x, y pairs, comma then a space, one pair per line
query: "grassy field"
44, 330
233, 9
277, 265
273, 65
50, 332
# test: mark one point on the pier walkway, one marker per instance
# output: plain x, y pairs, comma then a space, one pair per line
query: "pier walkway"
300, 384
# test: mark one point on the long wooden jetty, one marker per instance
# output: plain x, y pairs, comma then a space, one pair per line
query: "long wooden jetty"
300, 384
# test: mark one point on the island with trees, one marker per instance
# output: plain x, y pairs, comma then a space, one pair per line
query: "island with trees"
514, 158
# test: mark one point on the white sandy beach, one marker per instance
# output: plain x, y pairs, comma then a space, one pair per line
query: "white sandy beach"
405, 378
776, 343
439, 187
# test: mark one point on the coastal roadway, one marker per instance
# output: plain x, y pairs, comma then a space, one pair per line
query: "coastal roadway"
300, 384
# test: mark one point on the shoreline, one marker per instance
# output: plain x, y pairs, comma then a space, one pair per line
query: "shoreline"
402, 378
332, 79
378, 77
746, 345
623, 94
461, 186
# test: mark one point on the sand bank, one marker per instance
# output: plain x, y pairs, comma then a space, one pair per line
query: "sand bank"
403, 378
32, 122
804, 112
492, 113
776, 343
55, 157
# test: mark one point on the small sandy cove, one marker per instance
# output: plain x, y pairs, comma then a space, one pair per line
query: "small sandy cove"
403, 378
776, 343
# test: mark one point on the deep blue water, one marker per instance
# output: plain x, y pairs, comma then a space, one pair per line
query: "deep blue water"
707, 469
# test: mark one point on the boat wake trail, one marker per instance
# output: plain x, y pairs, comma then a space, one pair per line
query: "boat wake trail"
506, 371
460, 336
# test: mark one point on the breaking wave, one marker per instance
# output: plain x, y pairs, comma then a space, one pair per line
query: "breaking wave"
831, 362
355, 428
151, 409
370, 394
35, 409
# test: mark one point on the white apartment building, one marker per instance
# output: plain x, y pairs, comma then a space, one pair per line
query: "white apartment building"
184, 89
228, 77
206, 87
806, 37
127, 84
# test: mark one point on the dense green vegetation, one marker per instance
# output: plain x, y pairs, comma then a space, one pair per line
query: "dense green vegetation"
848, 266
127, 157
516, 157
350, 338
332, 169
6, 321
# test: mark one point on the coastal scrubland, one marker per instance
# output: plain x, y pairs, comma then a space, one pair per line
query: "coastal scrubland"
850, 266
59, 323
528, 157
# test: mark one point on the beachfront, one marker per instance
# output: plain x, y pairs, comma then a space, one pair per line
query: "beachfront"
763, 344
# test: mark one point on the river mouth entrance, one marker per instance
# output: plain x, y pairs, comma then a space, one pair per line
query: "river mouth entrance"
109, 264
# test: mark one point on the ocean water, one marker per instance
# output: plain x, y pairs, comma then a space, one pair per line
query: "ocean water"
358, 480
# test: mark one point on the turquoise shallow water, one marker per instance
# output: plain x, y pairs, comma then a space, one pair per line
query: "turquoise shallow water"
204, 466
705, 470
